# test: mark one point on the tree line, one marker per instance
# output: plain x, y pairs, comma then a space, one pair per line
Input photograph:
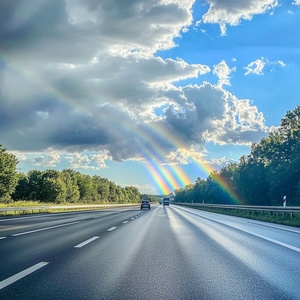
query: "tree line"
270, 172
67, 186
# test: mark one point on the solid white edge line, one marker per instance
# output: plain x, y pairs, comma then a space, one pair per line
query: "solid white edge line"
274, 241
112, 228
255, 234
86, 242
46, 228
276, 227
22, 274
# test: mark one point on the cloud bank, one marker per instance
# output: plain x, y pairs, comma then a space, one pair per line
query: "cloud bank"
232, 12
80, 76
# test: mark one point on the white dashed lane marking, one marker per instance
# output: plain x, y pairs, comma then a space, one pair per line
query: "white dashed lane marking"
22, 274
112, 228
86, 242
46, 228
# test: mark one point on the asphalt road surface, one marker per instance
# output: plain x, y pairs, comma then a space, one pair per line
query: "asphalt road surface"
163, 253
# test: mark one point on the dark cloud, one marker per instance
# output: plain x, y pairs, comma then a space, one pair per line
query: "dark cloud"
83, 75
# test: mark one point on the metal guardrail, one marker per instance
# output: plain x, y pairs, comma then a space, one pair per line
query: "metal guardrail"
291, 210
45, 208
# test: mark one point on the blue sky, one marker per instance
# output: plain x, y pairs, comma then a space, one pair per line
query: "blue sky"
151, 94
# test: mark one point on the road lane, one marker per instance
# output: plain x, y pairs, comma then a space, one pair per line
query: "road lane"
9, 225
20, 275
280, 233
165, 253
275, 265
17, 252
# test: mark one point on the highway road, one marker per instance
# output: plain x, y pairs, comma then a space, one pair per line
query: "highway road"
163, 253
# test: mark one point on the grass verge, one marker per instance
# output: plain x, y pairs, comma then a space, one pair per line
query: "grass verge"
35, 207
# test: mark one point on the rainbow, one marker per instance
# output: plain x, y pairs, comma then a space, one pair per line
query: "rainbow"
219, 180
167, 177
160, 181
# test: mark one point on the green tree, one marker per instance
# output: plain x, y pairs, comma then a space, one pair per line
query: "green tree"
251, 181
179, 195
200, 191
133, 194
86, 187
35, 183
284, 172
69, 178
297, 198
22, 189
8, 173
101, 186
184, 195
269, 172
53, 188
227, 178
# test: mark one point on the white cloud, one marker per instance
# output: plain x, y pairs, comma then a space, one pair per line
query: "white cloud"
232, 12
217, 163
258, 66
43, 114
19, 156
187, 155
89, 161
223, 71
277, 65
296, 2
143, 25
79, 161
100, 159
238, 122
45, 160
211, 113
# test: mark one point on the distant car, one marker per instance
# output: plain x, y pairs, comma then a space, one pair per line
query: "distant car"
145, 204
166, 201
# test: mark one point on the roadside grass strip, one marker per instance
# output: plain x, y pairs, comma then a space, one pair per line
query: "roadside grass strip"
22, 274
